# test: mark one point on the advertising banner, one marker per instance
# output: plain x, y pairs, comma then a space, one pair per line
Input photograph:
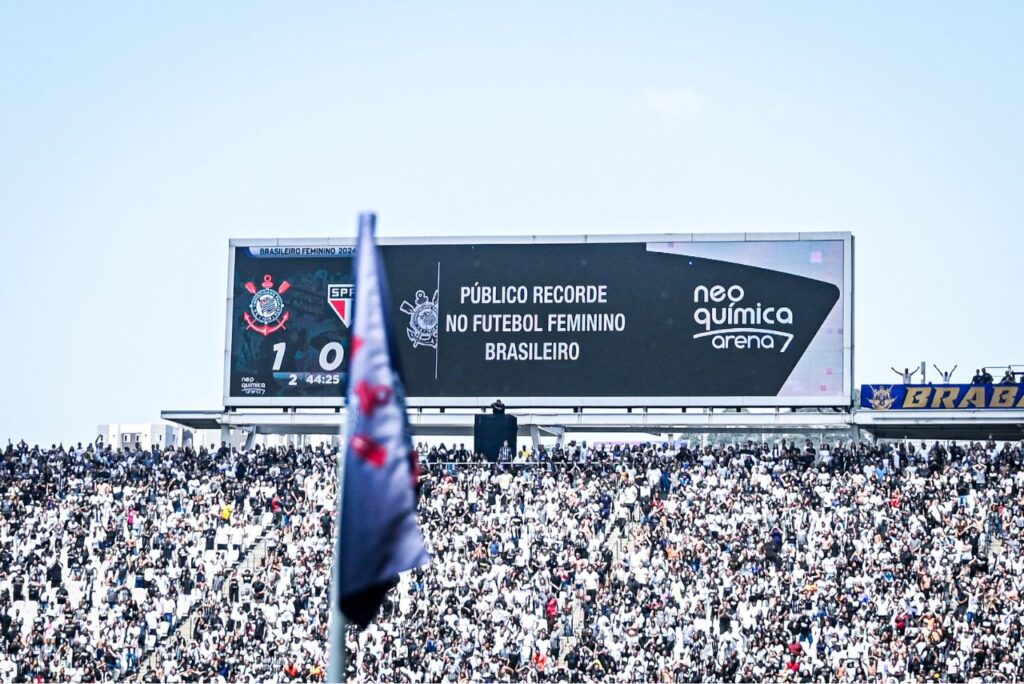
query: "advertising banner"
941, 397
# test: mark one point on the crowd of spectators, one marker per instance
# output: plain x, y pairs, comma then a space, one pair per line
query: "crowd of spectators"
641, 563
105, 553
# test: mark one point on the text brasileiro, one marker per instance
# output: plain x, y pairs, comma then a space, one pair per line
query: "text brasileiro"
533, 322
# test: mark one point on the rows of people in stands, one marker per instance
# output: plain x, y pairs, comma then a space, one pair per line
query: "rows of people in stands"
105, 554
643, 563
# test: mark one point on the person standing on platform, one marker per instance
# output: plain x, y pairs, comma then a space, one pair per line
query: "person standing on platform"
906, 374
505, 454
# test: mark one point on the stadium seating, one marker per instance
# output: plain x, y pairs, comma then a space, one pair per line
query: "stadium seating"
633, 563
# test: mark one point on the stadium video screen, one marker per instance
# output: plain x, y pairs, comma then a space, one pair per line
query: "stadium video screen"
671, 321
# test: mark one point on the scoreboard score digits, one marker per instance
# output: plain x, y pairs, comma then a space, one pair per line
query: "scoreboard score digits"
331, 356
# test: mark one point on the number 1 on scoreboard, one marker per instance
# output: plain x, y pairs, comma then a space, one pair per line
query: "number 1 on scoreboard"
279, 355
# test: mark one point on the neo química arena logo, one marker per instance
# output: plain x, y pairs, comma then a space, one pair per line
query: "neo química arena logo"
733, 322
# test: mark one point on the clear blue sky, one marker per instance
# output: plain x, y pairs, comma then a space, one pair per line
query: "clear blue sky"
137, 138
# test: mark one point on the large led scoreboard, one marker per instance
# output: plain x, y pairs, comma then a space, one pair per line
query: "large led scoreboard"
663, 320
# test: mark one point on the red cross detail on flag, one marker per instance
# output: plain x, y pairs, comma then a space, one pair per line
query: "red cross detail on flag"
372, 397
370, 450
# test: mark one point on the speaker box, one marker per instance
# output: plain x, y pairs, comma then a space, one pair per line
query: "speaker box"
490, 430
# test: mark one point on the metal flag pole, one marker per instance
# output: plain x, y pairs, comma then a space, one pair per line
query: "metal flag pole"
337, 624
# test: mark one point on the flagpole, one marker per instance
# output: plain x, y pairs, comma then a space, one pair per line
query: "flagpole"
336, 653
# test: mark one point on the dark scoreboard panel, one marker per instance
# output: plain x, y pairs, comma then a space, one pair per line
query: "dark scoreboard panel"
669, 321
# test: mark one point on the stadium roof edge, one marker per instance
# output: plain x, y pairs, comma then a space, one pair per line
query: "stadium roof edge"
969, 425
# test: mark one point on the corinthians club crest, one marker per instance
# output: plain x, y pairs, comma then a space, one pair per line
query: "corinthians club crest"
266, 312
423, 319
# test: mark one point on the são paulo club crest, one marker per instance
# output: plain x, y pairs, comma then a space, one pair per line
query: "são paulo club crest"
340, 299
423, 318
266, 312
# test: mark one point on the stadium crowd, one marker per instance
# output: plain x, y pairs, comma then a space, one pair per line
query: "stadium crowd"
105, 553
644, 563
